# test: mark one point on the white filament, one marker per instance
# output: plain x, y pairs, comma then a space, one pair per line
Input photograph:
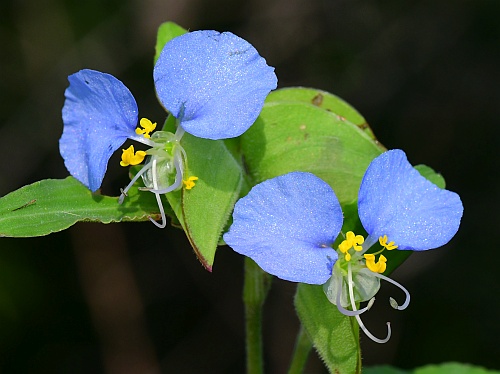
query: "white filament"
358, 318
134, 179
158, 200
393, 302
347, 312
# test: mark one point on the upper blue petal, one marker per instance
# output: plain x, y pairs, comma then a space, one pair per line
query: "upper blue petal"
214, 83
395, 200
287, 225
99, 114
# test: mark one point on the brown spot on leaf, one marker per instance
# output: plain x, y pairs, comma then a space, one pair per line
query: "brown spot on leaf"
317, 100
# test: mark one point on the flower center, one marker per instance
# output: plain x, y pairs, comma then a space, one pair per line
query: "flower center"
356, 279
166, 157
352, 244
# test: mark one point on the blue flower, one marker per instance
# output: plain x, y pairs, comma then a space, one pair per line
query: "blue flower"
288, 224
213, 84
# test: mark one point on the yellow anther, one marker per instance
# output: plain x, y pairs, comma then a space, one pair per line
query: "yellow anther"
129, 157
189, 183
376, 267
383, 242
147, 127
351, 241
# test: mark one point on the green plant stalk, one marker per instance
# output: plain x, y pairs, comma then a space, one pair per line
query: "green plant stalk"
303, 346
255, 289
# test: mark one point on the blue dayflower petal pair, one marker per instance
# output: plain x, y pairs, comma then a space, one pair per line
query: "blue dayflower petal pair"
287, 224
214, 83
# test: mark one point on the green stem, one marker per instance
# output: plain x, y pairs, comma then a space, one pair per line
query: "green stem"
255, 289
303, 346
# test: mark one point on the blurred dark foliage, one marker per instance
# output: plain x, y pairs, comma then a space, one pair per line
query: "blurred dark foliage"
132, 298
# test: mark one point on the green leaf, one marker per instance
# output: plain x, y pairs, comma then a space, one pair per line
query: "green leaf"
53, 205
204, 210
296, 136
166, 32
334, 335
325, 101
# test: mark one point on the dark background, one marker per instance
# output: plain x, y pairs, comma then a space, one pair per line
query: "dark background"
131, 298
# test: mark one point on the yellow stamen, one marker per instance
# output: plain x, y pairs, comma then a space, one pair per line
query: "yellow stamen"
383, 242
129, 157
189, 183
351, 241
147, 127
376, 267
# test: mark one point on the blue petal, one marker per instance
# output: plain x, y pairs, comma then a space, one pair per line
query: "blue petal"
215, 84
99, 114
287, 225
395, 200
